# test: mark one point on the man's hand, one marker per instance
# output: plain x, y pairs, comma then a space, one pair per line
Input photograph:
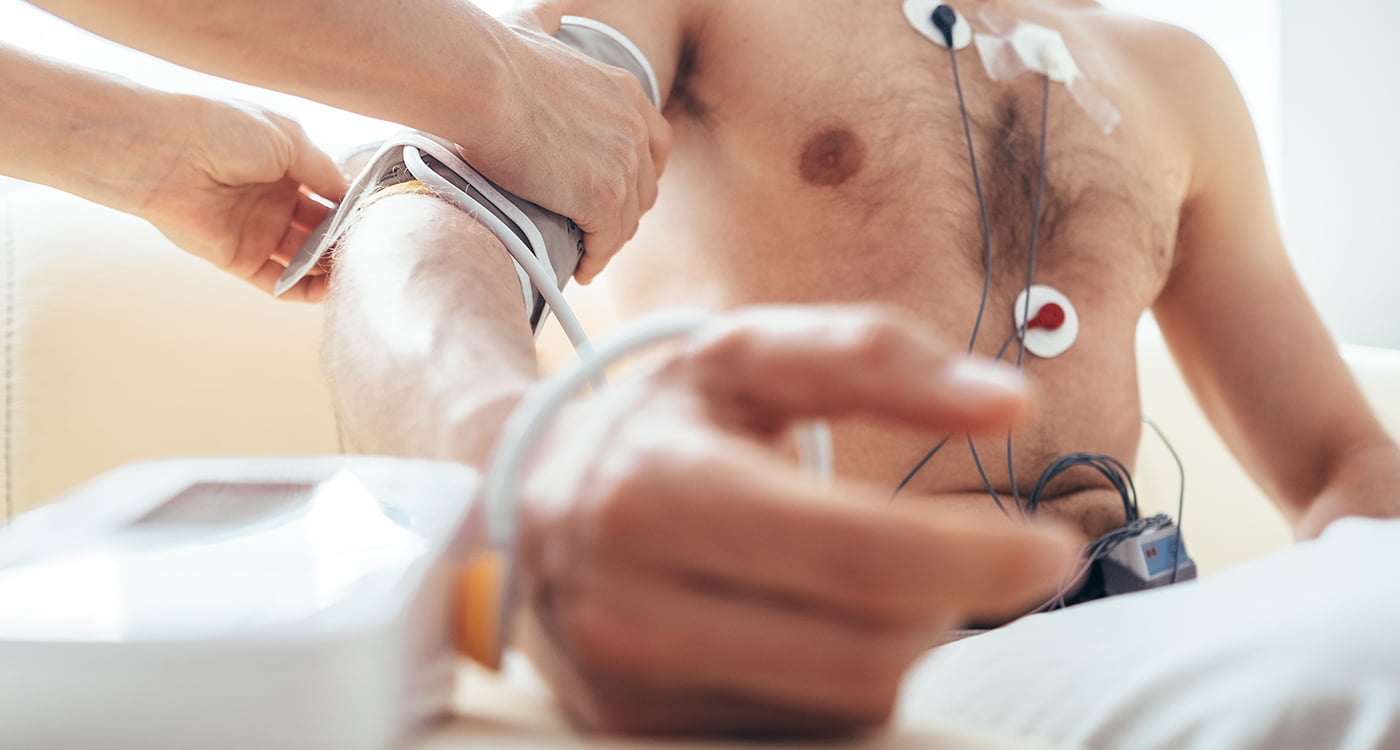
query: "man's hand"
578, 137
237, 188
682, 576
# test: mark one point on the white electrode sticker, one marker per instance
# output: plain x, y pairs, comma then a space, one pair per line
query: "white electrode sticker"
1012, 47
920, 15
1054, 323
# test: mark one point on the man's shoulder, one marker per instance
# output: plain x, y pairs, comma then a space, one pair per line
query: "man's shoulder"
1168, 76
1174, 60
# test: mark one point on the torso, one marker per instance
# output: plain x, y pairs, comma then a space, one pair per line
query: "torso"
819, 157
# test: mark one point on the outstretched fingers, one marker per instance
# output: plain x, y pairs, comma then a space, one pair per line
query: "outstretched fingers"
793, 363
728, 513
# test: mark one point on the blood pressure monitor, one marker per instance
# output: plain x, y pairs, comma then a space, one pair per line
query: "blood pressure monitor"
235, 603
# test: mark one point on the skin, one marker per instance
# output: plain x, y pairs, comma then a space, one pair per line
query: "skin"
850, 182
228, 182
679, 574
428, 354
575, 136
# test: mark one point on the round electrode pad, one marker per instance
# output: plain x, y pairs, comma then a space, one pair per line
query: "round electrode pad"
920, 15
1054, 325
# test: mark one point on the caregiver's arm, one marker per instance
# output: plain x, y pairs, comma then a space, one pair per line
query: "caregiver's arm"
1249, 342
576, 136
226, 182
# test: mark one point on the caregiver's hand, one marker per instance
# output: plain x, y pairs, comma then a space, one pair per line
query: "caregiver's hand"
234, 187
578, 137
227, 182
682, 576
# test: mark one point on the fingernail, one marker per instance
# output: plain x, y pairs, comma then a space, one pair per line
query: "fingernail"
983, 382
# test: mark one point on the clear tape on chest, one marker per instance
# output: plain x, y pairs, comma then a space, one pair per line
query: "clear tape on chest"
1011, 47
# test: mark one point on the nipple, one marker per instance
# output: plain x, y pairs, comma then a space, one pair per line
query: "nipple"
831, 157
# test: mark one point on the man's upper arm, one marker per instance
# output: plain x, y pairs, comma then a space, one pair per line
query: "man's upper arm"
1235, 314
659, 28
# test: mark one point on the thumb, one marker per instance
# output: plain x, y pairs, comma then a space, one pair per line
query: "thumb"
792, 363
315, 169
541, 15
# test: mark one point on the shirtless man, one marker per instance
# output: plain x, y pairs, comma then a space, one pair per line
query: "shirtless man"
819, 157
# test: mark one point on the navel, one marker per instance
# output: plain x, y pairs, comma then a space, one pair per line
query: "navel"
831, 157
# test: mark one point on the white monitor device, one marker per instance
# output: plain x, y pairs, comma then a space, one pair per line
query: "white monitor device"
234, 603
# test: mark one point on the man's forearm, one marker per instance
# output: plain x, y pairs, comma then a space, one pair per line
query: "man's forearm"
1365, 482
396, 60
104, 138
427, 344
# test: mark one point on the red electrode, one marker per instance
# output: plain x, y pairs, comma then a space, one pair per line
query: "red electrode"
1050, 317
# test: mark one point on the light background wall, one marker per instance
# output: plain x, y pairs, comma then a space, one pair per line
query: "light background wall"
1246, 34
1341, 74
1321, 86
25, 26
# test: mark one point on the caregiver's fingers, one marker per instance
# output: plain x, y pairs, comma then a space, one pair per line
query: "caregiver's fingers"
313, 288
311, 166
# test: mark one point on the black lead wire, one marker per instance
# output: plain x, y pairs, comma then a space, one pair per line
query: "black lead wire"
987, 271
981, 199
910, 476
946, 26
1030, 270
929, 456
1180, 494
1113, 470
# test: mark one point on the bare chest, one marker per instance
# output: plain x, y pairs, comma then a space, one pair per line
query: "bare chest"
821, 155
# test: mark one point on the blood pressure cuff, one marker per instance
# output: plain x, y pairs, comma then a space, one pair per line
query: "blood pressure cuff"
437, 166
